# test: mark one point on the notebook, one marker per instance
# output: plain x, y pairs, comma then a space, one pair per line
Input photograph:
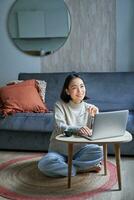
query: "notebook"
109, 124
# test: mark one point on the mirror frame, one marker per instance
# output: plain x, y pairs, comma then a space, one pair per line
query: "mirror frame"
53, 40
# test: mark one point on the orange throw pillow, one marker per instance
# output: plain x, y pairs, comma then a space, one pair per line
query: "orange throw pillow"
22, 97
39, 83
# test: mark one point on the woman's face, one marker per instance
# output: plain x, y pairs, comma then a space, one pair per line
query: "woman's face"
76, 90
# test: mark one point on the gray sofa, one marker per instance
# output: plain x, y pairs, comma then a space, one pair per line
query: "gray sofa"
32, 131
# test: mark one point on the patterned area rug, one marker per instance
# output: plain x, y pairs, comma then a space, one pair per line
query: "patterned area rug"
20, 179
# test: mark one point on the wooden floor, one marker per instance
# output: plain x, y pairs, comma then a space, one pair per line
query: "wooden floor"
127, 172
127, 175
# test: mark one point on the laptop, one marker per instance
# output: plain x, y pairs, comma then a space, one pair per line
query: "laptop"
109, 124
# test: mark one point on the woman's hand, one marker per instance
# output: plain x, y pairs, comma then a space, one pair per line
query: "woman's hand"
85, 131
93, 110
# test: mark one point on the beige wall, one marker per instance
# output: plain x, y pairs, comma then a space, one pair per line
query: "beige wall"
92, 42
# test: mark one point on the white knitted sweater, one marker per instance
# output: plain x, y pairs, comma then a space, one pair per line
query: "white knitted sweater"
69, 116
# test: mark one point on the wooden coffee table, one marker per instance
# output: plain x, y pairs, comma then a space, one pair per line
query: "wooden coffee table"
116, 141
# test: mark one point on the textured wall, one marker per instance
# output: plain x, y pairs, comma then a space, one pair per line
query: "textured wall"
92, 42
125, 35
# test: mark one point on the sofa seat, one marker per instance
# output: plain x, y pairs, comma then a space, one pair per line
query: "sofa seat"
130, 123
41, 122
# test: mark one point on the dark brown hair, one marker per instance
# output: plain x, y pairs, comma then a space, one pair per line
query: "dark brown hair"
64, 96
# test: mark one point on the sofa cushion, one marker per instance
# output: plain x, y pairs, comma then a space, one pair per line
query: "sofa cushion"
108, 91
111, 91
42, 122
22, 97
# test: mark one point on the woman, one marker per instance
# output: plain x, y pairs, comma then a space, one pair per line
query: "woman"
73, 114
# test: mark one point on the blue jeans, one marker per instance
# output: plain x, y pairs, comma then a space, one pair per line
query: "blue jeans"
55, 165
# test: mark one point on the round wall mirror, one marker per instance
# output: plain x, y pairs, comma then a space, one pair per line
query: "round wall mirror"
39, 27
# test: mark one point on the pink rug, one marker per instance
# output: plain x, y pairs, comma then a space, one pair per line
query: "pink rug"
20, 179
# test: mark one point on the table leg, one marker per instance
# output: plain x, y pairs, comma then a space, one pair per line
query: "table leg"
70, 156
117, 156
105, 158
